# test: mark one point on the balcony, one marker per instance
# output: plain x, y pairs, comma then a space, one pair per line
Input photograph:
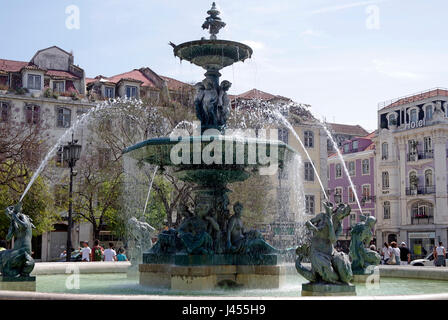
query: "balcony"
412, 191
365, 199
420, 156
423, 218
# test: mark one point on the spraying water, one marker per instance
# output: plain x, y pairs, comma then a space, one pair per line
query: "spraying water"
80, 121
341, 158
150, 187
279, 116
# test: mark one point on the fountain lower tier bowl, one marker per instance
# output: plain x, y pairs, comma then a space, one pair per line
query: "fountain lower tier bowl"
213, 54
212, 159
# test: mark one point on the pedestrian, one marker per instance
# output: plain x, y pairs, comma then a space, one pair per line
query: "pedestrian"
110, 254
396, 252
405, 254
3, 245
85, 252
385, 253
97, 251
440, 255
121, 256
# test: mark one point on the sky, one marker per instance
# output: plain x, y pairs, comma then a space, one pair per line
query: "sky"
342, 57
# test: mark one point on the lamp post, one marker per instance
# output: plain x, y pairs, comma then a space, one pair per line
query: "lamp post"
71, 153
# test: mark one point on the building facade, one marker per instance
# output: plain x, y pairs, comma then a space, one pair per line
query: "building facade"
359, 156
50, 91
411, 175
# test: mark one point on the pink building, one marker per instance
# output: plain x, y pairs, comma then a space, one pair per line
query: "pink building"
359, 157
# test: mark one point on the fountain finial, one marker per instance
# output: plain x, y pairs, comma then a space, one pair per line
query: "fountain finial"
213, 22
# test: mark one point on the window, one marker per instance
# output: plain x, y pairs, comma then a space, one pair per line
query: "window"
412, 146
413, 115
131, 92
413, 180
428, 178
366, 192
338, 195
366, 166
351, 195
309, 139
60, 158
384, 151
352, 168
355, 145
428, 144
346, 148
283, 135
386, 210
385, 179
104, 156
34, 82
32, 114
59, 195
309, 204
64, 117
352, 219
4, 111
109, 92
392, 120
59, 86
338, 170
428, 112
309, 172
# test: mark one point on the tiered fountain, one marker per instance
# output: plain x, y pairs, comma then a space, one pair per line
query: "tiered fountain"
211, 248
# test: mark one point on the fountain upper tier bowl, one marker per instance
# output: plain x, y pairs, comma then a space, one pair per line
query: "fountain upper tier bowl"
213, 54
217, 157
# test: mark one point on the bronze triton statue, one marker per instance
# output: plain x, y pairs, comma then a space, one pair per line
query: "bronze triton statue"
327, 265
18, 262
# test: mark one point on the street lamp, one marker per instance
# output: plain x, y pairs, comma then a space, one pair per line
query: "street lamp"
71, 154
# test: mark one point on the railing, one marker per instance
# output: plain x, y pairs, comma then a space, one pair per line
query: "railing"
420, 156
413, 191
422, 218
433, 92
364, 199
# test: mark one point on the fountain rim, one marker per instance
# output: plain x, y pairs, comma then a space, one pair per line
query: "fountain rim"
212, 42
206, 138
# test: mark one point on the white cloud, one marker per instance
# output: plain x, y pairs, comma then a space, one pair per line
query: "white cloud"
392, 71
345, 6
311, 33
256, 45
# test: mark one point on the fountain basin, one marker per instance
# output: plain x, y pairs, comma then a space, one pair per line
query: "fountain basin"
213, 54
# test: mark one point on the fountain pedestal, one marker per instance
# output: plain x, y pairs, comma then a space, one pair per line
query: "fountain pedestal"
324, 289
209, 277
18, 283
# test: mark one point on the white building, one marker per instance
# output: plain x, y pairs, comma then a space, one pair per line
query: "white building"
411, 144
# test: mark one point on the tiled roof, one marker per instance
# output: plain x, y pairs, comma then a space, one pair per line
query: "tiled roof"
353, 130
174, 84
11, 65
415, 97
61, 74
135, 75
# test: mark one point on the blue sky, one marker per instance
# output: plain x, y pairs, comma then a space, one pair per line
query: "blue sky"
319, 52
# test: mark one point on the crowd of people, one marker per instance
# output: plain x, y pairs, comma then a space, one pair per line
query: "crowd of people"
393, 254
98, 253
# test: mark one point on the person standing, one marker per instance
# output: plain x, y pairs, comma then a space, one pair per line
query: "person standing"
97, 251
385, 252
110, 254
396, 252
121, 256
85, 252
405, 254
440, 255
